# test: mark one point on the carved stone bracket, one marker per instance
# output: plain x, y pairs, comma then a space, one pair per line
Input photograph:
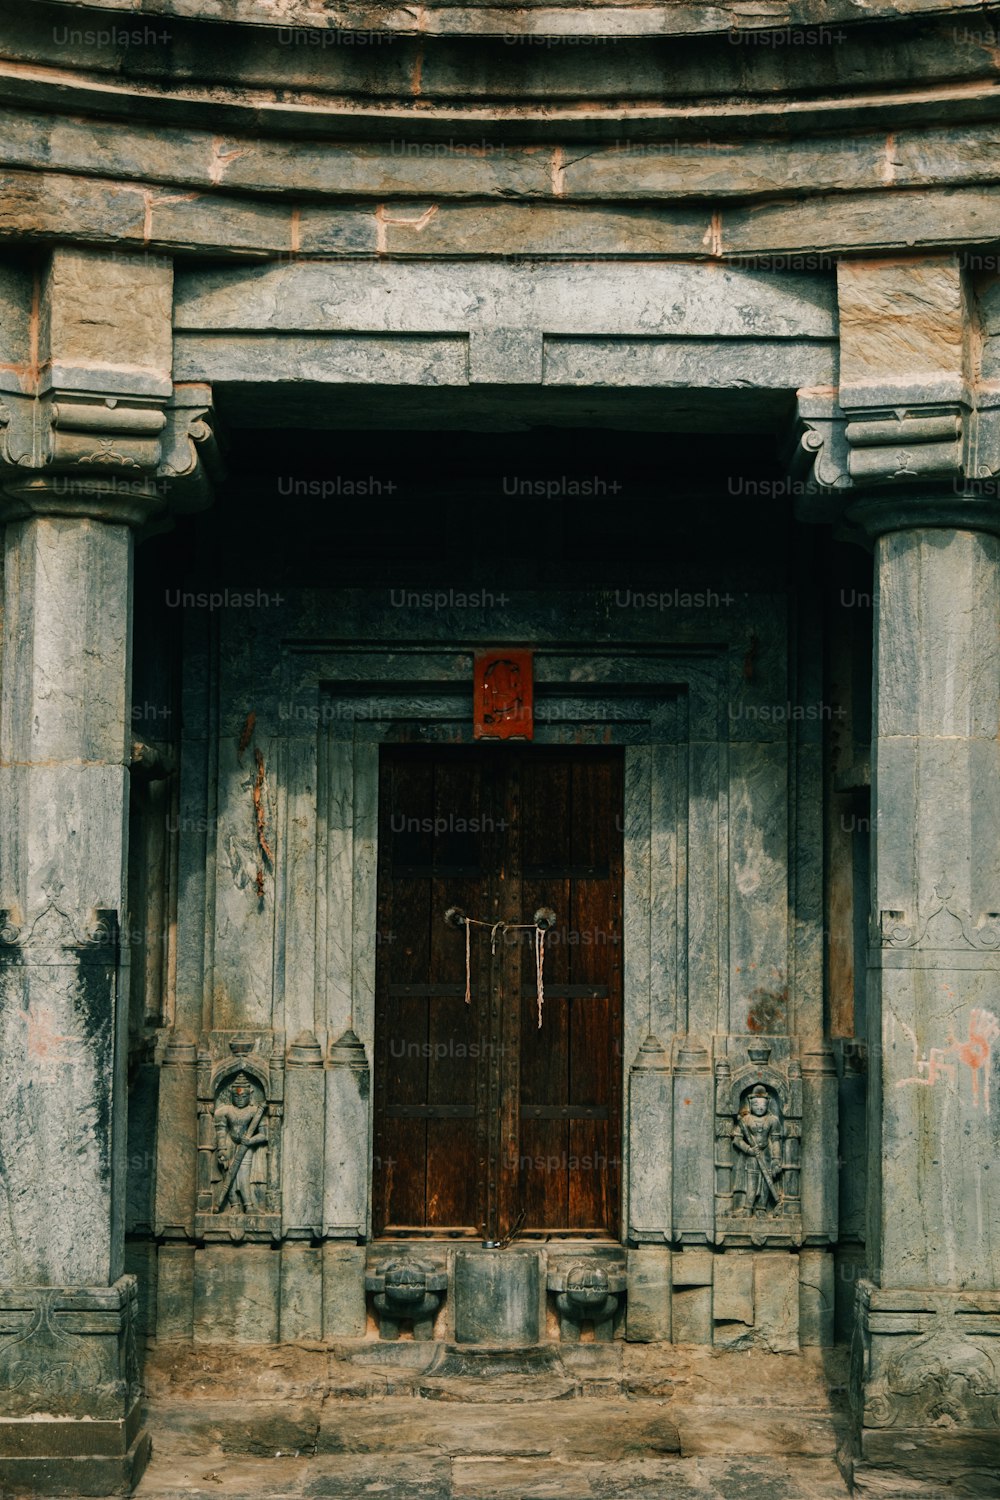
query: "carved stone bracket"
588, 1291
51, 935
891, 468
818, 456
407, 1290
905, 443
191, 461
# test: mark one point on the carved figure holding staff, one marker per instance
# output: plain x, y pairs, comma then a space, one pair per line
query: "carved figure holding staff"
241, 1149
757, 1135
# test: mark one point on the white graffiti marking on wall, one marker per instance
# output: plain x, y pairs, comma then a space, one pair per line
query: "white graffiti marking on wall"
974, 1052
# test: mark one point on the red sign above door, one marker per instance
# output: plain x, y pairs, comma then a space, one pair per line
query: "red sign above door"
503, 707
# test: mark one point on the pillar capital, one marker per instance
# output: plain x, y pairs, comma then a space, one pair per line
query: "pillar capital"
910, 438
123, 458
92, 423
880, 470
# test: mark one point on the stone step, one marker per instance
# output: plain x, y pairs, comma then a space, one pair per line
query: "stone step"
412, 1449
456, 1422
810, 1383
410, 1426
614, 1428
458, 1373
442, 1478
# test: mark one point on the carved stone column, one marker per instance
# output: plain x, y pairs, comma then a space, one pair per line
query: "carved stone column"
900, 460
928, 1337
80, 469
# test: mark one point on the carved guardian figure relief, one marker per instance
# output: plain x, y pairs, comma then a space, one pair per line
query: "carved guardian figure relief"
240, 1109
241, 1148
757, 1136
758, 1130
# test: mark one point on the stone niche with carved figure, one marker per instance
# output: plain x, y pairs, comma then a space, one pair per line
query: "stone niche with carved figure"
758, 1135
240, 1109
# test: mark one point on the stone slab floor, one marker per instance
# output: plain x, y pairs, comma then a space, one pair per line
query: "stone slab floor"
425, 1423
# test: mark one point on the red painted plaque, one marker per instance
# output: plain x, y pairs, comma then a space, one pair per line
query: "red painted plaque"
504, 696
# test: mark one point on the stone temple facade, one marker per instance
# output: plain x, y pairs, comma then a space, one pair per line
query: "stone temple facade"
537, 463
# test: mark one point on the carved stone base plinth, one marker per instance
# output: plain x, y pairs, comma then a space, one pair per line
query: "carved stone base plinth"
70, 1415
781, 1229
73, 1458
926, 1389
407, 1291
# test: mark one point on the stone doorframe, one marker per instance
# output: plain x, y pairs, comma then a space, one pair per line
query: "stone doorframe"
665, 706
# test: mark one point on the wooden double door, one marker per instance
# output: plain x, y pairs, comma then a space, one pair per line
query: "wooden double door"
485, 1120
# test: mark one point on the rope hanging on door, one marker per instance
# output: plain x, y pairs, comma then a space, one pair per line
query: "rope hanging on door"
543, 920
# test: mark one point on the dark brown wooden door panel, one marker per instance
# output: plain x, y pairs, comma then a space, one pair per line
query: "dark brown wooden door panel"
482, 1117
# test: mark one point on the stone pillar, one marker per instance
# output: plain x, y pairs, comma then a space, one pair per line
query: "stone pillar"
67, 1349
79, 459
909, 457
927, 1376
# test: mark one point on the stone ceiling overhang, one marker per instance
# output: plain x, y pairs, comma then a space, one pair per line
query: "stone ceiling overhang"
780, 73
537, 17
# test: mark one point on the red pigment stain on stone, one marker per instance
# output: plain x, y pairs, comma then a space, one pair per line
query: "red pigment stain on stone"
768, 1010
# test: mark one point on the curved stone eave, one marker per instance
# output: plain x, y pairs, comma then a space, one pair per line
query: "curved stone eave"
61, 92
677, 18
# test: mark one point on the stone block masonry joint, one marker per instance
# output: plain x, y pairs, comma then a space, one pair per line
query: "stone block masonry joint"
222, 159
559, 172
713, 235
151, 203
889, 160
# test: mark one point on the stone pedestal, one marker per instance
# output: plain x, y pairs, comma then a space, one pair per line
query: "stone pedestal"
497, 1297
928, 1324
70, 1353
